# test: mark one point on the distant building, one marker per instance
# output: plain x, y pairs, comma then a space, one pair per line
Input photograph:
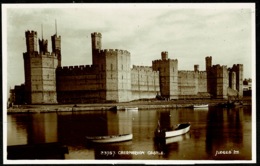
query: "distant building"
110, 78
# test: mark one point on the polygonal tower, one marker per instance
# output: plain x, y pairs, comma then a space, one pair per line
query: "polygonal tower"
238, 69
168, 76
40, 68
210, 78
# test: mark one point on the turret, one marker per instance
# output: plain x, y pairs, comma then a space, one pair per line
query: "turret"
43, 45
56, 45
96, 40
208, 62
164, 55
196, 68
31, 41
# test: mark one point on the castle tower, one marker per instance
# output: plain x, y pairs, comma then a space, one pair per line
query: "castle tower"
56, 45
168, 76
196, 68
164, 55
31, 48
40, 67
208, 62
211, 83
96, 41
238, 69
115, 75
31, 41
221, 81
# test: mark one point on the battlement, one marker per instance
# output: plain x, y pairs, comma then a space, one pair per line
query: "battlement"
144, 69
190, 72
28, 33
159, 60
164, 55
113, 51
208, 57
237, 66
55, 36
80, 67
40, 55
80, 70
218, 66
96, 34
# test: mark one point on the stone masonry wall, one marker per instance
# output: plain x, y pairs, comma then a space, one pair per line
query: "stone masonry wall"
144, 82
78, 84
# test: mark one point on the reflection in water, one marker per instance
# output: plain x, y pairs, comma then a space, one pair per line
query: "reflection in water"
113, 151
169, 144
213, 130
224, 132
43, 128
17, 129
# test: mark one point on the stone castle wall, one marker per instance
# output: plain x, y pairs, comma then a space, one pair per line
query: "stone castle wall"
144, 82
78, 84
110, 77
191, 84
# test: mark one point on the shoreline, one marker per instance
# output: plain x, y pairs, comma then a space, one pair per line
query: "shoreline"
142, 105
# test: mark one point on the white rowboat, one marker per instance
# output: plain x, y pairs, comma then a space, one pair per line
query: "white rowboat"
200, 106
131, 108
179, 130
110, 139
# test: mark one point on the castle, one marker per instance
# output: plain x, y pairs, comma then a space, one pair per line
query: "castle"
110, 78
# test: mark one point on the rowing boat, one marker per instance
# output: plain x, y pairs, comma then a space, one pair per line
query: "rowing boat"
110, 138
180, 129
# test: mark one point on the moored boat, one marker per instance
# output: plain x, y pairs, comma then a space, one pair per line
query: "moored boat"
110, 138
200, 106
131, 108
180, 129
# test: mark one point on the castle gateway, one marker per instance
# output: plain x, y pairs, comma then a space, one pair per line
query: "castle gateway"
110, 78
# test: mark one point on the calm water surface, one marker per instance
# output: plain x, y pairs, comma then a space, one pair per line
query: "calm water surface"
214, 131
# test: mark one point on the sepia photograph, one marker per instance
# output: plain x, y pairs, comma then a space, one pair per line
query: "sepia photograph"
139, 83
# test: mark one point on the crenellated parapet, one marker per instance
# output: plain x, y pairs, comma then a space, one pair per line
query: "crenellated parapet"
113, 52
143, 69
29, 33
237, 67
77, 70
168, 60
156, 64
96, 34
219, 71
36, 54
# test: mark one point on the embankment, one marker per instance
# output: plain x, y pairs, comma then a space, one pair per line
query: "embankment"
142, 105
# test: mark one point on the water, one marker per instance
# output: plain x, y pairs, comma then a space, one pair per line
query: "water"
215, 134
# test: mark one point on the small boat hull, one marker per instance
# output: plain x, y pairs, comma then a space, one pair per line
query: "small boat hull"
110, 139
131, 109
201, 106
179, 130
174, 133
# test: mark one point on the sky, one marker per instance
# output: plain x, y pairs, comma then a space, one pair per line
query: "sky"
189, 32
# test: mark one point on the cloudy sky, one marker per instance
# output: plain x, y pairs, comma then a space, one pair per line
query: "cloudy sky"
188, 32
